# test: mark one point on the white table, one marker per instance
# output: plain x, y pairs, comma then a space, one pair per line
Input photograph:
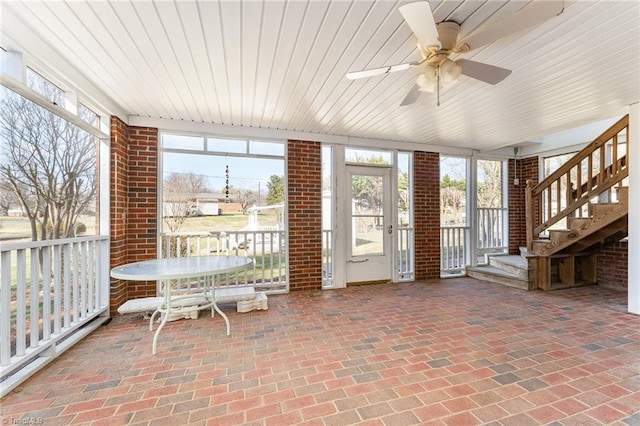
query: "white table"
166, 270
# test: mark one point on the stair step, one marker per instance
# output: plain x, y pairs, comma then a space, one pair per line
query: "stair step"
525, 254
578, 223
559, 235
499, 276
513, 264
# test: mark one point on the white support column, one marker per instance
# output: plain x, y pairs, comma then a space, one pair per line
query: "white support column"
472, 210
394, 219
341, 201
633, 280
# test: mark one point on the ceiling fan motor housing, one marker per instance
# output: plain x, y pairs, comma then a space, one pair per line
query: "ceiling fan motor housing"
448, 32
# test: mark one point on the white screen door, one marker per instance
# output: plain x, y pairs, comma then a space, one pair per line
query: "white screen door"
369, 224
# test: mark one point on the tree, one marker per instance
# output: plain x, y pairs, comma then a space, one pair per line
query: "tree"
179, 195
368, 190
275, 187
48, 163
7, 198
489, 183
247, 198
452, 196
403, 194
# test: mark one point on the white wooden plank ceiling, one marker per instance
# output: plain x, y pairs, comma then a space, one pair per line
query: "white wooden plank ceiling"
281, 65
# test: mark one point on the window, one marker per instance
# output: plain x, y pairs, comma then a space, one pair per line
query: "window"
88, 115
364, 156
212, 184
191, 143
45, 87
453, 191
48, 172
553, 163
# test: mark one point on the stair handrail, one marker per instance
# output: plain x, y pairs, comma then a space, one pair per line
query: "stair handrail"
606, 177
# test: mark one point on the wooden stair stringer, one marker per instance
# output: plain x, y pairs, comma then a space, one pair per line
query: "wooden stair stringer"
607, 220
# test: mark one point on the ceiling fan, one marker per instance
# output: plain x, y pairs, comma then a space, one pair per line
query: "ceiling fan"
438, 42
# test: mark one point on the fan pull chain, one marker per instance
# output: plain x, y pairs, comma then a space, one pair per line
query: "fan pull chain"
438, 86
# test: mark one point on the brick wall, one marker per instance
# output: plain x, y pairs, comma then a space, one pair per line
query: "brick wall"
304, 186
426, 199
527, 169
134, 186
613, 264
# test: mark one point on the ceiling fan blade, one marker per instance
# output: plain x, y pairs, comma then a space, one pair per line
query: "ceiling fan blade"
420, 19
483, 72
534, 13
352, 75
412, 96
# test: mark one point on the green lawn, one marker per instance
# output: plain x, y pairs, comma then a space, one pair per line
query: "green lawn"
225, 222
19, 228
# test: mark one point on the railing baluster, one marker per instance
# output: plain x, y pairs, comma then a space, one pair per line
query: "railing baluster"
46, 292
614, 156
75, 285
84, 281
66, 259
34, 299
5, 307
21, 301
602, 165
92, 282
57, 288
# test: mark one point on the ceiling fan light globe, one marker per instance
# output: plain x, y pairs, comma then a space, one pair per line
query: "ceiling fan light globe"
427, 79
425, 83
449, 72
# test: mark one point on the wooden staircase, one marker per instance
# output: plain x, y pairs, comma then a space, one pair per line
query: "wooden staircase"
571, 213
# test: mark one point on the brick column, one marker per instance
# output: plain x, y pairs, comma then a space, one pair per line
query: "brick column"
304, 186
527, 169
426, 206
142, 224
118, 206
134, 205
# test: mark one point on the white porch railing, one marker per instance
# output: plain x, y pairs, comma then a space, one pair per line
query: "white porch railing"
492, 238
50, 293
453, 248
491, 230
405, 253
267, 248
327, 258
404, 257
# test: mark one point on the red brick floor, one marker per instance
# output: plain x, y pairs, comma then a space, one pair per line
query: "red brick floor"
451, 352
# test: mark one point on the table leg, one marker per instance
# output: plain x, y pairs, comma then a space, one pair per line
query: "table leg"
166, 311
215, 306
226, 320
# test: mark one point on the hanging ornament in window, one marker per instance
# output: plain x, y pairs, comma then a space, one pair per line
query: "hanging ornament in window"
226, 188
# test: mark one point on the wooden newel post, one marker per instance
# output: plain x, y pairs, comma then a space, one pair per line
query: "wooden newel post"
528, 214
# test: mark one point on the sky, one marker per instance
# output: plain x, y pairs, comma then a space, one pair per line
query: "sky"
244, 172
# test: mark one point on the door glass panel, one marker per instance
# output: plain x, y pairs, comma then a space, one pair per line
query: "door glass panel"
367, 236
367, 215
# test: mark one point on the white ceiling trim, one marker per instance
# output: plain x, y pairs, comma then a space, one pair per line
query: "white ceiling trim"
224, 130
